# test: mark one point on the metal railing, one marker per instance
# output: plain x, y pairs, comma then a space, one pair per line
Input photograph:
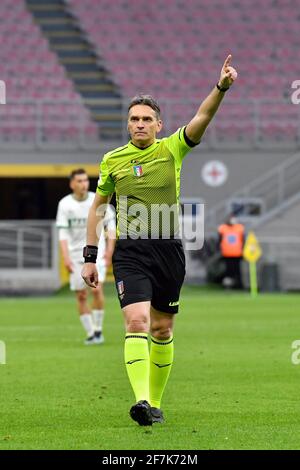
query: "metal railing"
27, 245
43, 124
29, 257
243, 123
284, 252
273, 188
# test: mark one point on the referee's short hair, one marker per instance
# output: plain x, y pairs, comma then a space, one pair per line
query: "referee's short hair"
147, 100
78, 171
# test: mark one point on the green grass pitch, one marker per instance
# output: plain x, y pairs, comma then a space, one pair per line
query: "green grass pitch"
233, 385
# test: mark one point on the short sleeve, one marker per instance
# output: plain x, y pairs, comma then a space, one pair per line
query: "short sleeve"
62, 220
64, 234
106, 186
179, 145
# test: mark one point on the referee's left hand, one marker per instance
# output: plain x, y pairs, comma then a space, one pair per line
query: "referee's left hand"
90, 274
228, 74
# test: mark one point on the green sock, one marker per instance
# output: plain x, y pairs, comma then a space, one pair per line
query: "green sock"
136, 354
161, 360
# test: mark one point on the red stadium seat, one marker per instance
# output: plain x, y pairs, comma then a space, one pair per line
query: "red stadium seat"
31, 71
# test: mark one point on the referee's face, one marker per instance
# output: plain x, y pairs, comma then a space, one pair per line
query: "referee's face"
143, 125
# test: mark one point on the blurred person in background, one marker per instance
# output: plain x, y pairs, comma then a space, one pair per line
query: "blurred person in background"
231, 240
71, 220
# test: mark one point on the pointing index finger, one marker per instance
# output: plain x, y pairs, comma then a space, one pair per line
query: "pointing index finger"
227, 61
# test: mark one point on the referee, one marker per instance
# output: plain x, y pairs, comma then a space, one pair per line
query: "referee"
148, 262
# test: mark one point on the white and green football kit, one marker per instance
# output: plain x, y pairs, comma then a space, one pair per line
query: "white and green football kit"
71, 220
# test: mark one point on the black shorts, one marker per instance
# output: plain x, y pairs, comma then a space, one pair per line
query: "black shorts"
149, 270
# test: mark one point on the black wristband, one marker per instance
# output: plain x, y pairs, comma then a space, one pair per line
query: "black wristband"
221, 89
90, 253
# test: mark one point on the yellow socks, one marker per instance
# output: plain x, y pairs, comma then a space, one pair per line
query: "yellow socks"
136, 355
161, 360
148, 374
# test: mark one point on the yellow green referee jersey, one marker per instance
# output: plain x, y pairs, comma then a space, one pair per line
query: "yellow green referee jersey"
147, 186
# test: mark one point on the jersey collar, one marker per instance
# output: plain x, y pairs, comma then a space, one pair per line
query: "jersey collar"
142, 149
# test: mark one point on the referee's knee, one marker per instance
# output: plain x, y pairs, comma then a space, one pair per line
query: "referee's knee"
161, 332
138, 325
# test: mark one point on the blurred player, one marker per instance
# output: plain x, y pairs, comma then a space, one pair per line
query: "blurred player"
71, 220
149, 269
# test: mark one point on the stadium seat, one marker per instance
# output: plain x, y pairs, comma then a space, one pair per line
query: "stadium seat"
32, 73
163, 35
169, 48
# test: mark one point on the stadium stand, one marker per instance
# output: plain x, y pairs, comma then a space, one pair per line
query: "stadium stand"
91, 80
174, 50
33, 74
88, 56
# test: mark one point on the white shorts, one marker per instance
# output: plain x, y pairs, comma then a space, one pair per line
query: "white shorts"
76, 281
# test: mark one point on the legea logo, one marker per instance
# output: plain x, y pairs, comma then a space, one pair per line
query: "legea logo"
2, 353
2, 92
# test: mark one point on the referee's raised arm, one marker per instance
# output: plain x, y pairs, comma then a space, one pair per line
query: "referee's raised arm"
196, 127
